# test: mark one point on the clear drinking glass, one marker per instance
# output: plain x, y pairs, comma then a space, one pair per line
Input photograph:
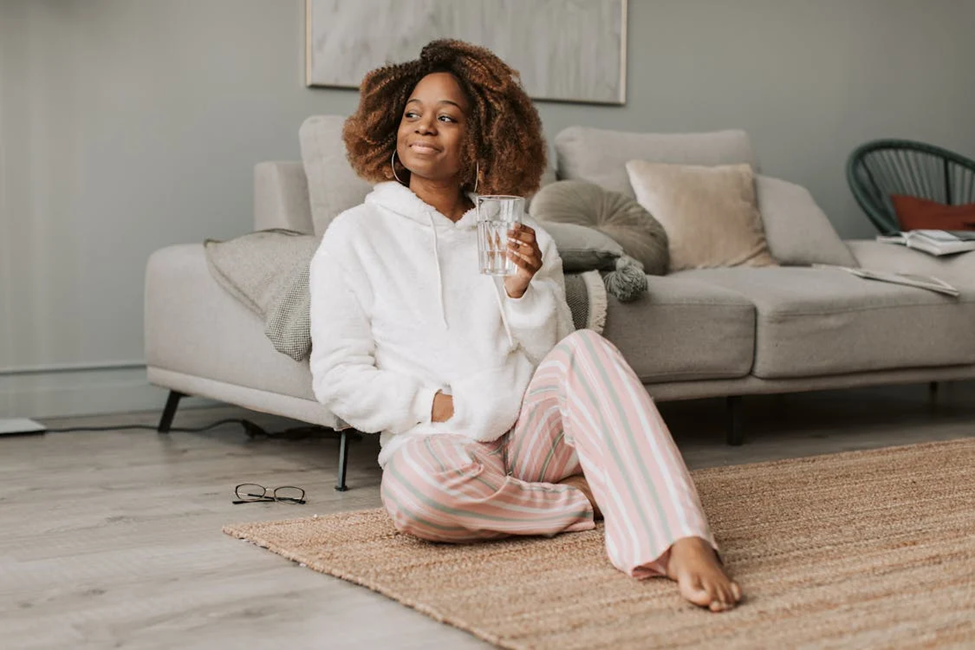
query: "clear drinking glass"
495, 217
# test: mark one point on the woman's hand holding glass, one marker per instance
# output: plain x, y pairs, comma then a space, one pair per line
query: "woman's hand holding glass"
524, 252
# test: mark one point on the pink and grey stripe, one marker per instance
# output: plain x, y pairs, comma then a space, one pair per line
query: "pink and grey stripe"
585, 412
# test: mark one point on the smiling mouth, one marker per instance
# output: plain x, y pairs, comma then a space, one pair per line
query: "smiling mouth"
421, 147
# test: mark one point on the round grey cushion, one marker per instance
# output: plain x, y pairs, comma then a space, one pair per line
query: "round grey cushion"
611, 213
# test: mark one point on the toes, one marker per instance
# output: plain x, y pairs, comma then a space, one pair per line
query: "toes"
717, 605
729, 599
692, 590
716, 595
736, 591
711, 589
721, 597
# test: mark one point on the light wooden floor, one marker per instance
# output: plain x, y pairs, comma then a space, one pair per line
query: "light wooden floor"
113, 539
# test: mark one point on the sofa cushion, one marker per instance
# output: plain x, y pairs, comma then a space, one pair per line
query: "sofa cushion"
582, 248
684, 330
333, 186
600, 156
710, 213
914, 213
798, 232
621, 218
813, 322
281, 197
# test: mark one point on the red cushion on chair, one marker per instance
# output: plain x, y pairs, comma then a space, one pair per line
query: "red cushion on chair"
920, 214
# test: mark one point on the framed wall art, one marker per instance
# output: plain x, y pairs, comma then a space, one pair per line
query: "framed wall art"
565, 50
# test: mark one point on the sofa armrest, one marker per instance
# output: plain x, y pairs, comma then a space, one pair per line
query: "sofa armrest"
281, 197
893, 257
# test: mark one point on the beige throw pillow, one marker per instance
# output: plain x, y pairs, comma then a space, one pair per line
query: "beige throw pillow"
710, 213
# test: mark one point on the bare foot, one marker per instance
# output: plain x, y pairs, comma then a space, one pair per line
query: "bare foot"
700, 576
579, 481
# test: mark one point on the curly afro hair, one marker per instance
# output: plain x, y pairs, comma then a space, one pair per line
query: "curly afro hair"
504, 139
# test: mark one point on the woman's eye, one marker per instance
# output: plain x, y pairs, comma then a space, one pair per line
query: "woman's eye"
447, 118
411, 114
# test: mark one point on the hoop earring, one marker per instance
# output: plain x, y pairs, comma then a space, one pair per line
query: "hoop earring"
392, 163
477, 174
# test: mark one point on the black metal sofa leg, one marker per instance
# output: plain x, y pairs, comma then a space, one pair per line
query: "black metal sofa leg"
343, 461
172, 402
736, 424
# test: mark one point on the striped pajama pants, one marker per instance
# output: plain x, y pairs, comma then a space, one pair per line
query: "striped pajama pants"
585, 412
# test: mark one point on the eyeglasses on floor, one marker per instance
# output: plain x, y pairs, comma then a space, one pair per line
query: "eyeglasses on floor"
254, 493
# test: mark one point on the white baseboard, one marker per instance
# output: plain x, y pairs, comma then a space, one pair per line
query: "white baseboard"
83, 391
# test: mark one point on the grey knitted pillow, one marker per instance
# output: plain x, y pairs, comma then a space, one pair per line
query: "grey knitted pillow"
583, 249
611, 213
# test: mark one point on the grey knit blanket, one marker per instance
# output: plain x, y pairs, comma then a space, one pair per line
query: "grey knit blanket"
267, 271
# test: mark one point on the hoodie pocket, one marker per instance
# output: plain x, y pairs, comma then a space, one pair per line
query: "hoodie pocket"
487, 403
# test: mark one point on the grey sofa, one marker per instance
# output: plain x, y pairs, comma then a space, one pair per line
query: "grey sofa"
695, 334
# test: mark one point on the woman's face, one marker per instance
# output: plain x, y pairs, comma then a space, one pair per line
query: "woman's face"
432, 129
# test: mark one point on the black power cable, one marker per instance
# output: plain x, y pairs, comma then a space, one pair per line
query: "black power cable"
252, 430
247, 424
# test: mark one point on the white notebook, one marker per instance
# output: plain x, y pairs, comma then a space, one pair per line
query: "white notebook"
928, 282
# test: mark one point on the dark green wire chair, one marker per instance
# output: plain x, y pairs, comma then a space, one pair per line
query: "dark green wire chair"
877, 169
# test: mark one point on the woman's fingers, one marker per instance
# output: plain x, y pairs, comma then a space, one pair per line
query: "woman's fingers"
523, 233
529, 263
525, 250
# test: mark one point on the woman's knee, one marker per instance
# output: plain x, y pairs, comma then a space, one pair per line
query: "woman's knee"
585, 339
402, 510
421, 492
404, 506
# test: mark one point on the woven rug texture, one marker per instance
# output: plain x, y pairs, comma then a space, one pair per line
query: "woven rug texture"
859, 549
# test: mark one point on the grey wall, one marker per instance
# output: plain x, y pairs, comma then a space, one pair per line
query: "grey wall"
128, 125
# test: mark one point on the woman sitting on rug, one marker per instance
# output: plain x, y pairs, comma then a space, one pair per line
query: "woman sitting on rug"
496, 418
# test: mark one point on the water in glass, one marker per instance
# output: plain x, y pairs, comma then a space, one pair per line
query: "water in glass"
496, 215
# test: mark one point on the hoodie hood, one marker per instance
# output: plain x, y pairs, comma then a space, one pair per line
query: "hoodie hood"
401, 200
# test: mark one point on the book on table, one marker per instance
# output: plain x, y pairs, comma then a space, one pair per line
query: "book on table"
934, 242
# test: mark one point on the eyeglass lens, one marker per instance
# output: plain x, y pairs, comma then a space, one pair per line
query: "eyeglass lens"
289, 493
250, 492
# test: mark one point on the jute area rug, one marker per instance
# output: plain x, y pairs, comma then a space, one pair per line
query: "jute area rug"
860, 549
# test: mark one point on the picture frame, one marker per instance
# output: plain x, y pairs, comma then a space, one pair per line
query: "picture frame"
565, 50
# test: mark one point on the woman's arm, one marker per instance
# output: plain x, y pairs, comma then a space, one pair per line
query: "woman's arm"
540, 318
344, 375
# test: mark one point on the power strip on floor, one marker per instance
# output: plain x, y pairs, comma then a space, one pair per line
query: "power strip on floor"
20, 427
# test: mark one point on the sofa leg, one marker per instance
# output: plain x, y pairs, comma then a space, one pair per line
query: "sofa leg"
172, 402
343, 461
933, 391
736, 434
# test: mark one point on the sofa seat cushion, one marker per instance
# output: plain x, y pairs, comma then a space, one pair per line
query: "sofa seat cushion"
684, 330
814, 322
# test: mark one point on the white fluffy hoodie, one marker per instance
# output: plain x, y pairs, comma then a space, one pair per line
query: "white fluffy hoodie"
399, 311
